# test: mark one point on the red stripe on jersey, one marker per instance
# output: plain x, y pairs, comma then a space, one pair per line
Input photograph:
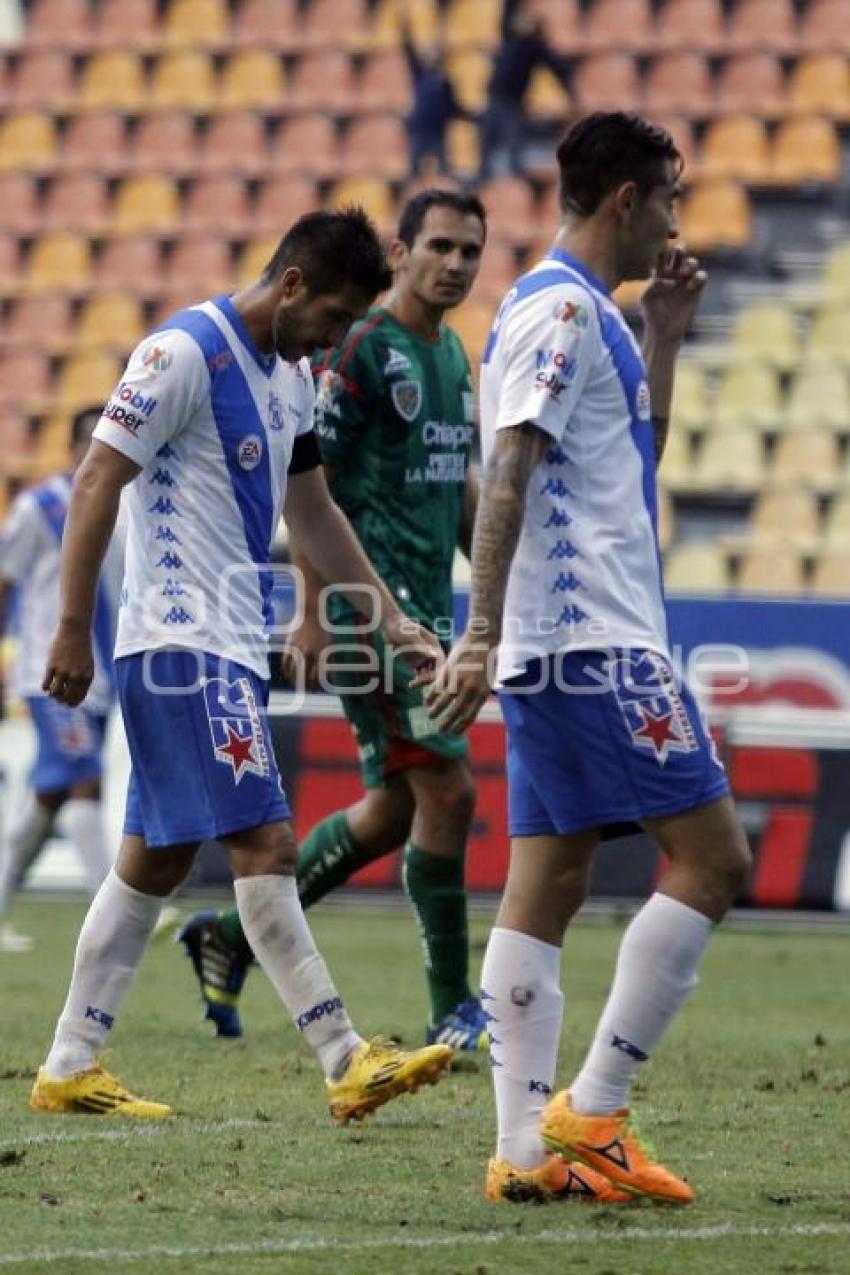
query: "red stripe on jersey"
356, 337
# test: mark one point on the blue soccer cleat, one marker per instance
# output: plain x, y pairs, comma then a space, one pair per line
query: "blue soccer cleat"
464, 1028
220, 971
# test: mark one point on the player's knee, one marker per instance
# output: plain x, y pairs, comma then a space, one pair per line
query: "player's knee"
732, 866
269, 851
458, 797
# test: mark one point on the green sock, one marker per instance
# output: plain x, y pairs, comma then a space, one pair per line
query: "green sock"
232, 936
327, 857
435, 887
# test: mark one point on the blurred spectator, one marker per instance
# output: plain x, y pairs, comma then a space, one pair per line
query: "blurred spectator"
434, 102
522, 50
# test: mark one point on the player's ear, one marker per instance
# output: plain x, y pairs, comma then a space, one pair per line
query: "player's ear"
291, 281
625, 201
397, 253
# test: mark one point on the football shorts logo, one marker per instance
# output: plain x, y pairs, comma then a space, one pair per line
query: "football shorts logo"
652, 707
235, 727
157, 359
250, 452
407, 399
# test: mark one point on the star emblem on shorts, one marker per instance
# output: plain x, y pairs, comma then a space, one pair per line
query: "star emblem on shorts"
239, 751
659, 732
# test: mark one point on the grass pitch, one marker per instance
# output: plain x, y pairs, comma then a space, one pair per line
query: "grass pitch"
749, 1096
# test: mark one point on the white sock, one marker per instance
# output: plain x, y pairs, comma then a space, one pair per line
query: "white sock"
112, 941
83, 819
28, 832
656, 969
274, 924
520, 992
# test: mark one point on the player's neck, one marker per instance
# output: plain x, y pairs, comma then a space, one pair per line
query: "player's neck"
423, 320
589, 244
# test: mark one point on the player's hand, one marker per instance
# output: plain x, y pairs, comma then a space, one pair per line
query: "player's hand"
463, 684
70, 664
416, 645
670, 302
300, 657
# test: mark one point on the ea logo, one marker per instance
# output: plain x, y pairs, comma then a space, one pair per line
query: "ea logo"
642, 403
250, 452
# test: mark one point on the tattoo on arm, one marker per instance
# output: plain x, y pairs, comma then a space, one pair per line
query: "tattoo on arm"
660, 426
501, 507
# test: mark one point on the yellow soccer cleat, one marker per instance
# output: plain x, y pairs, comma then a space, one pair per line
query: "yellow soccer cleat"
93, 1092
379, 1070
553, 1180
610, 1145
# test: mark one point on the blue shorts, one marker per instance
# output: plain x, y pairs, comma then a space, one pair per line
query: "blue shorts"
608, 739
69, 746
202, 763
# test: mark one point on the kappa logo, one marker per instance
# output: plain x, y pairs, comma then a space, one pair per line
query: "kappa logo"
407, 399
396, 362
250, 452
235, 727
651, 705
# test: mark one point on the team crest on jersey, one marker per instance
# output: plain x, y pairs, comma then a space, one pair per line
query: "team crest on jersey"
396, 362
157, 359
250, 452
235, 727
643, 404
651, 705
407, 399
275, 412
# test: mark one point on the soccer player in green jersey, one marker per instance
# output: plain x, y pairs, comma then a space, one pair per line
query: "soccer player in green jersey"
395, 422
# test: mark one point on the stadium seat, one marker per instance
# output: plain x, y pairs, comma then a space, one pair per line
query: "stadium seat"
87, 377
629, 295
620, 24
766, 331
562, 24
280, 201
546, 98
65, 24
177, 298
254, 258
463, 148
472, 322
749, 398
681, 130
186, 81
218, 204
59, 262
837, 522
384, 83
829, 338
77, 201
680, 84
696, 25
730, 460
307, 144
43, 78
125, 24
736, 147
469, 71
201, 263
323, 82
25, 379
472, 24
344, 23
809, 457
15, 439
267, 24
236, 142
20, 209
112, 80
752, 84
10, 263
764, 24
696, 566
804, 150
825, 26
189, 23
819, 398
772, 568
132, 263
498, 272
52, 444
147, 203
510, 205
376, 144
42, 320
835, 280
111, 321
689, 409
253, 80
372, 193
831, 573
27, 141
165, 142
423, 19
677, 463
788, 514
95, 142
607, 82
666, 521
716, 215
819, 84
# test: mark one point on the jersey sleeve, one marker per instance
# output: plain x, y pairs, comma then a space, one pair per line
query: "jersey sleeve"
21, 539
344, 394
549, 348
165, 382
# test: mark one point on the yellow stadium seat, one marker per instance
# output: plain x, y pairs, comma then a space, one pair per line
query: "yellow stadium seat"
831, 575
819, 398
371, 193
629, 295
804, 150
749, 397
771, 568
59, 262
472, 322
716, 215
112, 320
253, 80
809, 457
27, 141
767, 331
463, 146
147, 203
254, 258
666, 518
86, 378
473, 24
184, 80
114, 80
836, 275
469, 71
423, 18
547, 97
829, 338
732, 460
697, 566
677, 463
736, 148
188, 23
689, 409
837, 522
787, 513
820, 85
53, 442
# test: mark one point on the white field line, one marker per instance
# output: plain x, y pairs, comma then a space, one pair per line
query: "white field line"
319, 1244
137, 1132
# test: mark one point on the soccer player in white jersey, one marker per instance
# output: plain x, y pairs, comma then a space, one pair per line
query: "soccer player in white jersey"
211, 433
566, 587
69, 741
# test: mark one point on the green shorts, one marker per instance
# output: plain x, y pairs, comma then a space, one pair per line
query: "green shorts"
390, 721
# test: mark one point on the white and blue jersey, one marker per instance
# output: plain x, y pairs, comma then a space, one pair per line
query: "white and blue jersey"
586, 574
212, 422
